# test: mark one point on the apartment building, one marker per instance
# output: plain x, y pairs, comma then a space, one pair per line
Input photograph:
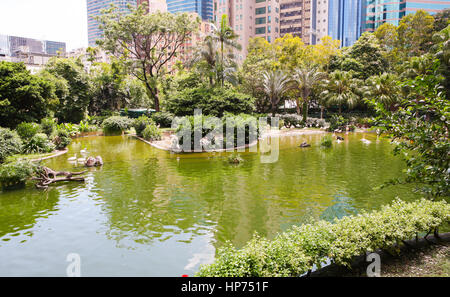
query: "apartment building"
295, 19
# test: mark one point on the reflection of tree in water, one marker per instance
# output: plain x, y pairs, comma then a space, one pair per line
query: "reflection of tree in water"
19, 210
342, 207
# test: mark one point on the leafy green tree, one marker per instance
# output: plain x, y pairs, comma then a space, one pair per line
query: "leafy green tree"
340, 89
72, 107
442, 48
275, 84
415, 33
383, 88
25, 97
145, 43
441, 20
306, 78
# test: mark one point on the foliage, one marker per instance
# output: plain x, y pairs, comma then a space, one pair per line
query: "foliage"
306, 78
131, 39
341, 89
163, 119
337, 122
442, 48
27, 130
12, 174
48, 126
295, 251
291, 120
275, 84
383, 88
39, 143
61, 139
10, 143
421, 125
151, 132
235, 158
75, 92
326, 141
116, 124
24, 97
415, 33
141, 123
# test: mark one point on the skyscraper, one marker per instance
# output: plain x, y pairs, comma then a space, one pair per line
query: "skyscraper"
319, 20
378, 12
295, 19
94, 8
345, 20
154, 5
204, 8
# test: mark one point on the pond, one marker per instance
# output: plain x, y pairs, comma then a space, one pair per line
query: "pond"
149, 212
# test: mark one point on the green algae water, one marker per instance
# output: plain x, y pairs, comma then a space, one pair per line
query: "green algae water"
148, 212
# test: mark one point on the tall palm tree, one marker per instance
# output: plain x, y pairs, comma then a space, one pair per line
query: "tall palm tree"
275, 84
340, 88
383, 88
306, 78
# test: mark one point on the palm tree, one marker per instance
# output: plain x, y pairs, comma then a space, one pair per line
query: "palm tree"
383, 88
275, 84
340, 88
306, 78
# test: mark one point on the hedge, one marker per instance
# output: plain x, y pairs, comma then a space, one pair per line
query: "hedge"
295, 251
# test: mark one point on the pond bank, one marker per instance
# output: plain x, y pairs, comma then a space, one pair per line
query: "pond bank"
430, 257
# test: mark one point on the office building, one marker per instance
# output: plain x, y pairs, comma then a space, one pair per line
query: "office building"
94, 8
345, 19
204, 8
319, 20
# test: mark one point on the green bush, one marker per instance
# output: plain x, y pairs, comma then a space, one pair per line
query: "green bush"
10, 143
141, 123
326, 141
337, 122
151, 132
116, 124
12, 174
70, 128
39, 143
291, 120
48, 126
295, 251
62, 139
163, 119
27, 130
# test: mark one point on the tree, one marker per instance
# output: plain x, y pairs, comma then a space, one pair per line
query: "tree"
145, 43
441, 20
73, 106
291, 52
306, 78
340, 89
24, 97
415, 33
383, 88
275, 84
442, 49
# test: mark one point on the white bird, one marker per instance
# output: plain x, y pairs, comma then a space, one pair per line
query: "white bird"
81, 160
83, 151
74, 158
365, 141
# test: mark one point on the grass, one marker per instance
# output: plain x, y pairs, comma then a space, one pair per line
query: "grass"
16, 157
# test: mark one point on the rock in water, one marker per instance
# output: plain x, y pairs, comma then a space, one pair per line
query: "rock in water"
339, 138
90, 162
98, 161
304, 144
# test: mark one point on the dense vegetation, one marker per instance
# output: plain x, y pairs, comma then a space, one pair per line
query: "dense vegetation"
295, 251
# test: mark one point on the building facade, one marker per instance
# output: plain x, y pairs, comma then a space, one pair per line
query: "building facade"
345, 20
295, 19
378, 12
249, 19
319, 20
94, 8
204, 8
154, 5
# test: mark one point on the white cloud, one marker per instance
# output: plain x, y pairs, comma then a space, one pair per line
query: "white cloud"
56, 20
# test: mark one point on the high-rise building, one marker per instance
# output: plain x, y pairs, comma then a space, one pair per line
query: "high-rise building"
378, 12
345, 20
154, 5
204, 8
295, 19
249, 19
94, 8
319, 20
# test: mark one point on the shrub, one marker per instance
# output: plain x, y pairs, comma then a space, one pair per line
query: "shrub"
39, 143
151, 132
70, 128
235, 158
62, 139
291, 120
10, 143
315, 123
12, 174
295, 251
27, 130
141, 123
48, 126
326, 141
163, 119
116, 124
337, 122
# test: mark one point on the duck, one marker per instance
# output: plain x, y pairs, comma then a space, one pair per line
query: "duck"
74, 158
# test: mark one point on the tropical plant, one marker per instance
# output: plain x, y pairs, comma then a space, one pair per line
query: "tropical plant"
163, 119
116, 124
275, 84
39, 143
306, 78
383, 88
141, 123
27, 130
62, 139
13, 174
326, 141
48, 126
151, 132
340, 89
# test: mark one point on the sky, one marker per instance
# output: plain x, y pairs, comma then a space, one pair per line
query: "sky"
55, 20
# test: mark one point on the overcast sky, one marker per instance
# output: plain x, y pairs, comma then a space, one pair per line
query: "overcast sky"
55, 20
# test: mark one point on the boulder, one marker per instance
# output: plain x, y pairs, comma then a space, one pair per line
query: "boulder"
304, 144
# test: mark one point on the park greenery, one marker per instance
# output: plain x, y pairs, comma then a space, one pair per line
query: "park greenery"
396, 79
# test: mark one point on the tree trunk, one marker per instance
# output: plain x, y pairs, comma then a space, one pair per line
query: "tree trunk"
305, 110
298, 106
321, 112
48, 176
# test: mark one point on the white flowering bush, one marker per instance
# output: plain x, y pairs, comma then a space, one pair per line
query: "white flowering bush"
295, 251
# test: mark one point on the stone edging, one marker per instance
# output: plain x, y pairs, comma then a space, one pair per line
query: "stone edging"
56, 154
